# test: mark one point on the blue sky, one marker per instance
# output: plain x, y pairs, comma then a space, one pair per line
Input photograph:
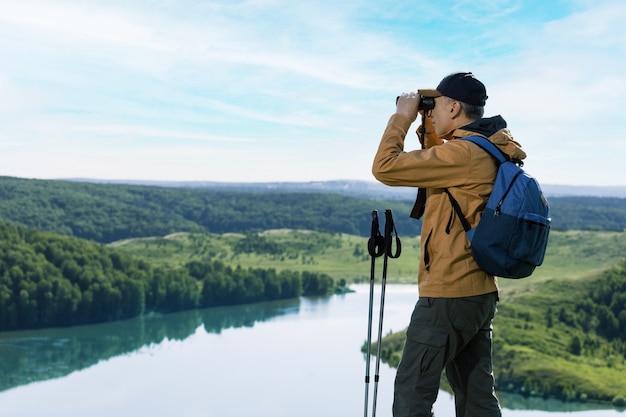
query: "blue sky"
268, 90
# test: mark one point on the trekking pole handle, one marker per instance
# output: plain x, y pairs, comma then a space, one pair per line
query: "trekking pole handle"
376, 242
390, 230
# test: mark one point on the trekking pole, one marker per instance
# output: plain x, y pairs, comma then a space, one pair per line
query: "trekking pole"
375, 247
390, 229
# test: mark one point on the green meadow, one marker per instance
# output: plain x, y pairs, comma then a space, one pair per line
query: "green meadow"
570, 255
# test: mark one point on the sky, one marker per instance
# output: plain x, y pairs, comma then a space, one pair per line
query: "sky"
297, 91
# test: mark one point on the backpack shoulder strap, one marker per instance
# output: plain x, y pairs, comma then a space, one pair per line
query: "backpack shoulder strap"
491, 149
458, 211
487, 146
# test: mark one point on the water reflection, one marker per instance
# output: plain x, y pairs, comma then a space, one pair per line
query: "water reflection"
32, 356
217, 319
334, 328
520, 402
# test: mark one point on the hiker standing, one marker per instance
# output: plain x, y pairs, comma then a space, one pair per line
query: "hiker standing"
450, 326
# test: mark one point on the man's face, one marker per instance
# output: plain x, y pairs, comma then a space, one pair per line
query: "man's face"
441, 115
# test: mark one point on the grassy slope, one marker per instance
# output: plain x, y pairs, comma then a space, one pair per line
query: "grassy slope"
570, 255
339, 255
531, 356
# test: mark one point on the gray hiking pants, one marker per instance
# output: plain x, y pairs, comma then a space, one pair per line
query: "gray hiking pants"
452, 334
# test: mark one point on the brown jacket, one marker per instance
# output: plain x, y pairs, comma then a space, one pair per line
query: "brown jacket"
447, 268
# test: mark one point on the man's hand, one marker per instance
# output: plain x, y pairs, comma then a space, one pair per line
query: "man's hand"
407, 104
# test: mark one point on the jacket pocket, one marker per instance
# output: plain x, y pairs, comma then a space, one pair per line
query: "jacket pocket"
427, 251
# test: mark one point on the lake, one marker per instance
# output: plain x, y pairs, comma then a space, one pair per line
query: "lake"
280, 359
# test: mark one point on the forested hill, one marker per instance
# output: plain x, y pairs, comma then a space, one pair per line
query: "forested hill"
110, 212
50, 280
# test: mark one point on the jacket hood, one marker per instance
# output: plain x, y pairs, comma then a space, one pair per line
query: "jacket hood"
494, 129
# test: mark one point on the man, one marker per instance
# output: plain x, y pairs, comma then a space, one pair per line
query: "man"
450, 327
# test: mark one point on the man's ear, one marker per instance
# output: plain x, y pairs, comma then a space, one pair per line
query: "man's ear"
456, 110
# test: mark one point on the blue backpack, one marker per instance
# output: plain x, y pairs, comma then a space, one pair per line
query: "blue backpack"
511, 237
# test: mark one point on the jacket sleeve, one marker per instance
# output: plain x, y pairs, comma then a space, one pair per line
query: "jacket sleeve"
446, 165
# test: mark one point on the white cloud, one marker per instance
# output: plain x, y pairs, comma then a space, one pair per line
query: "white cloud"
561, 93
75, 23
302, 89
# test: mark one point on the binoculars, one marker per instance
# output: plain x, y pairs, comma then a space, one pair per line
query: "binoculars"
425, 104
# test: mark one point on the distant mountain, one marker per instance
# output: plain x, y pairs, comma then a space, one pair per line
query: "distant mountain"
584, 191
355, 188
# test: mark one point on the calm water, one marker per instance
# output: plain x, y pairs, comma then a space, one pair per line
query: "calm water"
284, 359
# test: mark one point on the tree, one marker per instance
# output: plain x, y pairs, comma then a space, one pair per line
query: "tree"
575, 346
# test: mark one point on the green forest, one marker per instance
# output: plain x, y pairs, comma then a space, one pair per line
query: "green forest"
49, 280
78, 253
110, 212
